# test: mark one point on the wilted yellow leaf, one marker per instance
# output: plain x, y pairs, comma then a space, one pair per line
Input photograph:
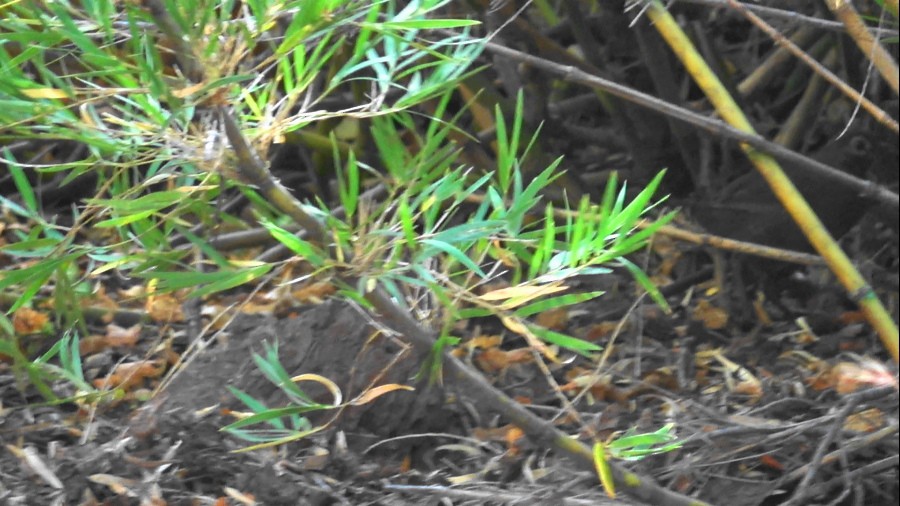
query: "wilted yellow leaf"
190, 90
868, 420
325, 382
374, 393
603, 470
526, 292
44, 93
520, 328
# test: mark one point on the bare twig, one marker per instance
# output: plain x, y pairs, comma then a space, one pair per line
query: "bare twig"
879, 114
718, 128
816, 462
860, 34
793, 16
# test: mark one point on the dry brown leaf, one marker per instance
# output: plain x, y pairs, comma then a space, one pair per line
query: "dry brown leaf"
485, 342
99, 299
317, 460
92, 344
553, 319
603, 329
600, 387
188, 90
712, 317
771, 462
133, 292
116, 336
118, 484
848, 377
164, 308
120, 336
868, 420
28, 321
132, 374
738, 379
495, 360
494, 434
759, 307
750, 387
663, 377
851, 317
253, 307
314, 293
514, 437
669, 253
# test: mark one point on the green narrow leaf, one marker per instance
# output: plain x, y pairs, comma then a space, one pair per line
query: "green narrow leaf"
406, 223
225, 280
456, 254
21, 181
568, 342
31, 278
125, 220
348, 185
255, 405
428, 24
556, 302
646, 284
299, 246
273, 413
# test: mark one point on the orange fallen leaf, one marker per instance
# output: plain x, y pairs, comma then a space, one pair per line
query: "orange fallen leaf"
553, 319
406, 463
602, 330
92, 344
850, 317
116, 336
164, 308
771, 462
513, 437
315, 292
99, 299
600, 387
849, 377
131, 374
738, 379
485, 342
762, 316
496, 434
28, 321
495, 360
712, 317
